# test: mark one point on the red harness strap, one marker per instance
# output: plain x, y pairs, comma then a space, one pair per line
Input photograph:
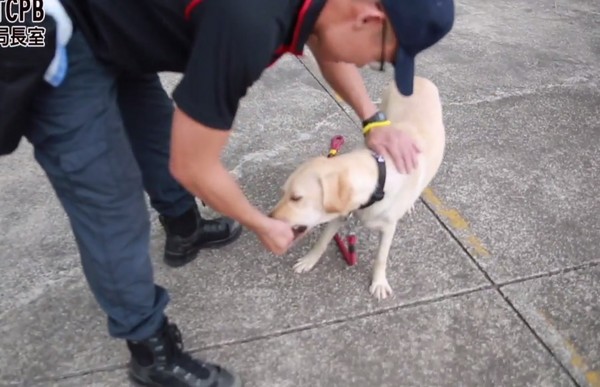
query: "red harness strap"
190, 7
292, 48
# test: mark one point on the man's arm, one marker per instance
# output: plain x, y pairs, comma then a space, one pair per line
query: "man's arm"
223, 64
347, 82
196, 164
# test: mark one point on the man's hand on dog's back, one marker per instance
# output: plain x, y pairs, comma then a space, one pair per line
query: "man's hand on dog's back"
398, 145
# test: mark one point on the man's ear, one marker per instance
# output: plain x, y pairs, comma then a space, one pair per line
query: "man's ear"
368, 11
337, 192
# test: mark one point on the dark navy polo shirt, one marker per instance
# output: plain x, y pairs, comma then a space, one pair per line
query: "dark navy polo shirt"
221, 46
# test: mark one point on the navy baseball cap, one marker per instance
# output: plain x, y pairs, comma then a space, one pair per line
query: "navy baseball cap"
417, 24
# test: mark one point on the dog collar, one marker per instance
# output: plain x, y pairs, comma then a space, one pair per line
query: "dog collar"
378, 194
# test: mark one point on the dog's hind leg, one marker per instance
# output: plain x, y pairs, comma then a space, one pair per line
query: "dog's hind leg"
314, 255
380, 288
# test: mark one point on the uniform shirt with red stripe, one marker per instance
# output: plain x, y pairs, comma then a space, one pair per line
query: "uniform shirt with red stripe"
220, 46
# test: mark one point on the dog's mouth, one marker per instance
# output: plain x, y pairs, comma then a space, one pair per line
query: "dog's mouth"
299, 231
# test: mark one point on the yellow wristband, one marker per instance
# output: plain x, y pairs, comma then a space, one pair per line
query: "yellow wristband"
376, 124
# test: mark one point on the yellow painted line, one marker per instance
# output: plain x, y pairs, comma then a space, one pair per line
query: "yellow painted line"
577, 361
478, 246
593, 378
456, 221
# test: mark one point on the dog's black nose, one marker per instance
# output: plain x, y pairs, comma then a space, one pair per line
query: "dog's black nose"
299, 229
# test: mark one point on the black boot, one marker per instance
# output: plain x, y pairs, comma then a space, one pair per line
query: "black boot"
160, 361
188, 233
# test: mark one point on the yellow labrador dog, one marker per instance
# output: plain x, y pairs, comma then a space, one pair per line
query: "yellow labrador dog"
327, 190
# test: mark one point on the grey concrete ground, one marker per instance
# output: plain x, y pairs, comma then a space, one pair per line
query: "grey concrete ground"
496, 276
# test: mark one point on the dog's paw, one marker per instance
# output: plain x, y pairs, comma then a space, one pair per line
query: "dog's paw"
305, 264
380, 289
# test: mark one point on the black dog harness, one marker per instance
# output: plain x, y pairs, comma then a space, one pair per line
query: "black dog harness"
378, 194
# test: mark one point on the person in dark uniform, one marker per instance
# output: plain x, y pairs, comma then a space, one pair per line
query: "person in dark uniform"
108, 132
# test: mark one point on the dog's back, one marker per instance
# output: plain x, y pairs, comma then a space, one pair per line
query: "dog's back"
420, 115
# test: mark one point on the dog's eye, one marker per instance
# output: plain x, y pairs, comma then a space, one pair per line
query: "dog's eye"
295, 198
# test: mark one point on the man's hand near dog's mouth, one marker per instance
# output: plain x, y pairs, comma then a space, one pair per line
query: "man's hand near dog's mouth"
196, 149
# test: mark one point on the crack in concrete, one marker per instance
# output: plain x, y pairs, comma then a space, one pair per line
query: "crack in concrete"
501, 95
552, 273
347, 319
498, 289
492, 285
567, 350
283, 332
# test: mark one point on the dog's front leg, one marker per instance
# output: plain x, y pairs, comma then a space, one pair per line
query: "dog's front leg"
380, 287
312, 257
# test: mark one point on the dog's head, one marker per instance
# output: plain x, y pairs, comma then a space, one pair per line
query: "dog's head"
316, 192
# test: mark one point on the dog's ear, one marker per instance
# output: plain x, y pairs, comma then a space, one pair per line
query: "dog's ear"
337, 192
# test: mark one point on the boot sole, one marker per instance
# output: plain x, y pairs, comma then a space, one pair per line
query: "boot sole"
237, 381
178, 262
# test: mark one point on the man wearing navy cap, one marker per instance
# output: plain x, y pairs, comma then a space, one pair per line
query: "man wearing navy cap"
107, 131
